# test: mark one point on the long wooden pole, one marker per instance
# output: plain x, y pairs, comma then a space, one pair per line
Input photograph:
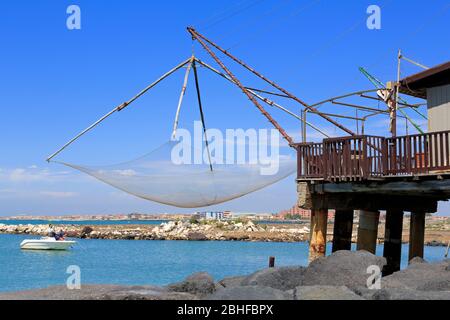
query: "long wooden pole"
244, 90
318, 234
118, 108
262, 98
200, 38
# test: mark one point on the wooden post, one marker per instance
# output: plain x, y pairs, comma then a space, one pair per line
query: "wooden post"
416, 234
343, 227
318, 235
368, 230
271, 262
392, 250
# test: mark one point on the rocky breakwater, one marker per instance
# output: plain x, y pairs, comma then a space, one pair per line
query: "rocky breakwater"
228, 231
341, 276
175, 230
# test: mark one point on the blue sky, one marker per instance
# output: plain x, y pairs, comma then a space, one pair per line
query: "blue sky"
55, 81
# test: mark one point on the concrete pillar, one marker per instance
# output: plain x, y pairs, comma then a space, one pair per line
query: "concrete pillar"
318, 234
392, 250
416, 234
343, 227
368, 230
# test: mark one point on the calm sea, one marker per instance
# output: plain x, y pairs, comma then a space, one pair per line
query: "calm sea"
147, 262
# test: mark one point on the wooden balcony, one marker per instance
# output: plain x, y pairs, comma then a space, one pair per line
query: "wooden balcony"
360, 158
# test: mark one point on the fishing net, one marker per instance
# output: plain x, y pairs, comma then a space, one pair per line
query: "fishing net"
159, 177
184, 175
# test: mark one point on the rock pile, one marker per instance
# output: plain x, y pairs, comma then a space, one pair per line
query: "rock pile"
173, 230
341, 276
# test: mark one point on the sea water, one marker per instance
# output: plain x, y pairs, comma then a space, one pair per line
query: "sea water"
136, 262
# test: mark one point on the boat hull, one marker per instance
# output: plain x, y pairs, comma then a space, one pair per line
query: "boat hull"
46, 245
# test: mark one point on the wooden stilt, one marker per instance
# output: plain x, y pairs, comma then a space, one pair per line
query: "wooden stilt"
342, 233
318, 236
393, 241
271, 262
368, 230
416, 234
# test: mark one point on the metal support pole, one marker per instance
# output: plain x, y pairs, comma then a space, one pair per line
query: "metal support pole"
202, 116
304, 122
397, 95
180, 100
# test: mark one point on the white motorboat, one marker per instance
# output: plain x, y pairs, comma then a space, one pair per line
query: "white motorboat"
46, 243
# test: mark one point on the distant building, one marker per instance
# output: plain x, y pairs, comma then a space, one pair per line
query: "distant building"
227, 214
211, 215
297, 212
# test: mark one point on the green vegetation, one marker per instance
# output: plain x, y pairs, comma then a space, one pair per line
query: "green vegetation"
293, 217
193, 220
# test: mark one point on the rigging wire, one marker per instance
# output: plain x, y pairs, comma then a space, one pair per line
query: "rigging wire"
218, 15
245, 26
263, 31
405, 39
233, 14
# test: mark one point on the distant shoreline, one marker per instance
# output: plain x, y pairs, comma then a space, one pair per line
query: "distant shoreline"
204, 230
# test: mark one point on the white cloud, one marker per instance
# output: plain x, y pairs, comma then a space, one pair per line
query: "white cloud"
24, 175
33, 174
58, 194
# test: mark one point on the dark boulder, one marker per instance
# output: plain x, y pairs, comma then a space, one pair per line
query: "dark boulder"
200, 283
283, 278
342, 268
196, 236
85, 232
249, 293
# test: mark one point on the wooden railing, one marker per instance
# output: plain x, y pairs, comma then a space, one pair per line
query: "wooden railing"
353, 158
365, 157
310, 160
418, 154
